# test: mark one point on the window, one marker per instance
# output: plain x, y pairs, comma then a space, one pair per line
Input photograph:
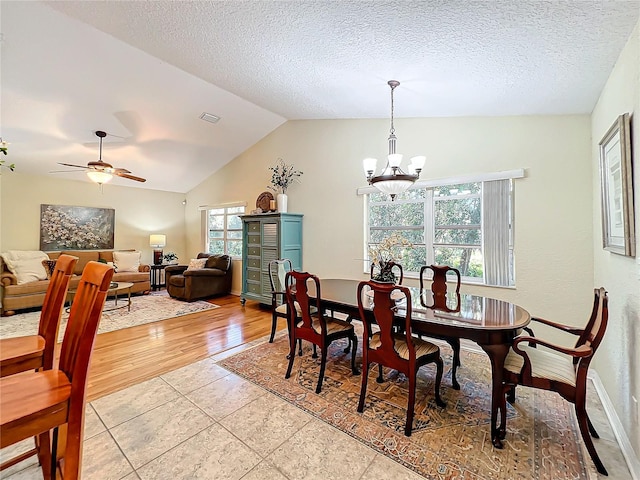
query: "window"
447, 226
224, 230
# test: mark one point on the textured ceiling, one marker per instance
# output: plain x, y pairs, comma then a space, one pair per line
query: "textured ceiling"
257, 63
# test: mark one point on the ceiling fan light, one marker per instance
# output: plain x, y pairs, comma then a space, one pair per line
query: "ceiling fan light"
369, 165
418, 162
395, 159
99, 177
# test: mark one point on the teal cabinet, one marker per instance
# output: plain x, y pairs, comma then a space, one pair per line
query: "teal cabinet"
267, 237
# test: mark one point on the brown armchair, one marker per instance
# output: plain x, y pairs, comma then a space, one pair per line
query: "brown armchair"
189, 285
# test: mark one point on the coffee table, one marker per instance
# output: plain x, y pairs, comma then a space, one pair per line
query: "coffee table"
118, 289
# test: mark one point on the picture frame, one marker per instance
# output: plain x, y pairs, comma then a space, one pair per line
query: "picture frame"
79, 228
616, 180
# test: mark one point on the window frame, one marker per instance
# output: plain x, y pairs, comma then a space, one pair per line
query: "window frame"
430, 243
225, 230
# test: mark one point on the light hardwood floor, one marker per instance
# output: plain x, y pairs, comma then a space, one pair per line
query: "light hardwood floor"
126, 357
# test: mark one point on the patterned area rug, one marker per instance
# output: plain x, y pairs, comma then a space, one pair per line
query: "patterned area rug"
144, 309
452, 443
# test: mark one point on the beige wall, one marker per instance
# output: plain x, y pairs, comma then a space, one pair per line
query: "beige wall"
618, 359
139, 212
554, 234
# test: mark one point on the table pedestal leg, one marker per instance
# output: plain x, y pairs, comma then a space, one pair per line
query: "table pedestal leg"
497, 354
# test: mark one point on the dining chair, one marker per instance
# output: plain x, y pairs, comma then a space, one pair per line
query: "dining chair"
400, 351
316, 327
392, 265
437, 294
34, 403
277, 272
32, 352
558, 368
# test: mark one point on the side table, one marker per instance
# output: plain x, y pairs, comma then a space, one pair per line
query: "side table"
157, 277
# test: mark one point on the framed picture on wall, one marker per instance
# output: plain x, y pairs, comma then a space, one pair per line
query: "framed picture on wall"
616, 179
64, 227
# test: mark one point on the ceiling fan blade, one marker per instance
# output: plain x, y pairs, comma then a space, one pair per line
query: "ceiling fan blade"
70, 165
120, 170
68, 171
130, 177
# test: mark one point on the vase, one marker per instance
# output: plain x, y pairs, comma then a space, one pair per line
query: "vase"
282, 202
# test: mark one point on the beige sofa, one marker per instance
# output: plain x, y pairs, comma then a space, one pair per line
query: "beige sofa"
31, 294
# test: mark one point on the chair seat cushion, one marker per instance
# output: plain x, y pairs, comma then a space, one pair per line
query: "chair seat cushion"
282, 309
544, 364
333, 325
422, 347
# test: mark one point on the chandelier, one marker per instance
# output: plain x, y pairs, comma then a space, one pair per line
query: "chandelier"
392, 180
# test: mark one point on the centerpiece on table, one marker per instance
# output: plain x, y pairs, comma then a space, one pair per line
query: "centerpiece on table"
171, 258
282, 176
385, 254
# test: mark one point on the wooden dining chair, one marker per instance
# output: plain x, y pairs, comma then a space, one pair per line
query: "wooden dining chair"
33, 352
318, 328
400, 351
393, 266
438, 294
33, 403
277, 272
36, 352
558, 368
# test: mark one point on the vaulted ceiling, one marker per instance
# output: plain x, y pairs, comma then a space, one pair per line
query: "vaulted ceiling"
144, 71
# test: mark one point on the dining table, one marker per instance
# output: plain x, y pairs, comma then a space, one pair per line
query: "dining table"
492, 324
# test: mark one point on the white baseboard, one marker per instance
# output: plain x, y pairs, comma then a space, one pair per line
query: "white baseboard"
616, 425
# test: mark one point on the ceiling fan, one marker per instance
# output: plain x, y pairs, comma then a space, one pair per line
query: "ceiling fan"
101, 172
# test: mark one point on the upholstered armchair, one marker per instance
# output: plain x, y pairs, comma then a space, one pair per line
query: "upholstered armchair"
188, 283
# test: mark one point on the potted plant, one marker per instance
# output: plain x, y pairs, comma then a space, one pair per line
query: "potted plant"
171, 258
282, 176
384, 254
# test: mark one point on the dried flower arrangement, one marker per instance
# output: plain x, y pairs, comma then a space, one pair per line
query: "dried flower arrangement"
383, 256
282, 176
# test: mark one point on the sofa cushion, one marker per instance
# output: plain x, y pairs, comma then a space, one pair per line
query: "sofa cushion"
84, 257
26, 265
196, 263
131, 277
218, 261
126, 261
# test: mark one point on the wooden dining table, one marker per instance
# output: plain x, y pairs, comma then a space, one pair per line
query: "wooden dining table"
491, 323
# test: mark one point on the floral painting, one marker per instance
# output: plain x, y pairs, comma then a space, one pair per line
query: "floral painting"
65, 227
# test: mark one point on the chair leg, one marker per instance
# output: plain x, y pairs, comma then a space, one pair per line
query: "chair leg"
300, 350
410, 404
43, 448
455, 346
511, 394
440, 369
292, 356
380, 378
363, 387
315, 352
581, 414
54, 454
323, 364
274, 324
354, 370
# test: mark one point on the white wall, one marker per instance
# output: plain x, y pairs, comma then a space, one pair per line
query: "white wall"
618, 358
139, 212
554, 234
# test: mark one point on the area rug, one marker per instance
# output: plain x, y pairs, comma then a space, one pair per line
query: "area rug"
542, 442
144, 309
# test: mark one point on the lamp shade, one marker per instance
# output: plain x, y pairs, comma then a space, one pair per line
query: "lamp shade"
98, 176
157, 240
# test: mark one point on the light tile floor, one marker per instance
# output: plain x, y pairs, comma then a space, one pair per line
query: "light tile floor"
203, 422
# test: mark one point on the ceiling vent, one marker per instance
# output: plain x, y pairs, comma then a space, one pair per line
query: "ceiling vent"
207, 117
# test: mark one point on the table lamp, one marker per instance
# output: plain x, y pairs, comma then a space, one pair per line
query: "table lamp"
157, 242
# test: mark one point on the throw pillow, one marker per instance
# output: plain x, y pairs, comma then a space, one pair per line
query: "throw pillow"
26, 265
49, 267
196, 263
126, 261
